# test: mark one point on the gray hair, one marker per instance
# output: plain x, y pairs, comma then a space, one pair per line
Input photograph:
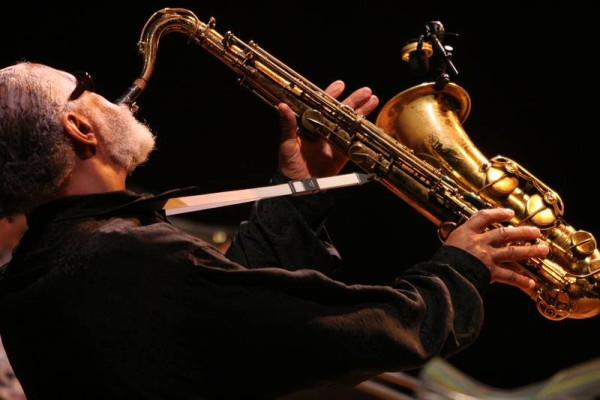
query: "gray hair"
34, 150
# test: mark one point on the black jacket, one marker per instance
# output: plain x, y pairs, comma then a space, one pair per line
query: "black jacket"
105, 299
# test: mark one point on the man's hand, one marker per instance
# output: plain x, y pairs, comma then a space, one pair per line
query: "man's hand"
302, 157
493, 247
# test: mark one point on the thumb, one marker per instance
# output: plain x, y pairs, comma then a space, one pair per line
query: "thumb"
288, 122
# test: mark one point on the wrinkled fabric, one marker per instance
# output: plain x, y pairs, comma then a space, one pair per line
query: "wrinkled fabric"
105, 299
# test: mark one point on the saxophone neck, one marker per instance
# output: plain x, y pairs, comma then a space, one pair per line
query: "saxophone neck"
161, 22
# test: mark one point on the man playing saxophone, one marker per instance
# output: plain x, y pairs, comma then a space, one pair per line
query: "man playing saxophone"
105, 299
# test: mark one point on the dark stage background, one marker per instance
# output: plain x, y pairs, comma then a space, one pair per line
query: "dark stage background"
529, 71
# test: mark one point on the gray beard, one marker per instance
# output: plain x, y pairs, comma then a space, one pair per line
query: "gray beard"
129, 142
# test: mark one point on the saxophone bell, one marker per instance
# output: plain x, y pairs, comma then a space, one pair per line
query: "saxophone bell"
429, 121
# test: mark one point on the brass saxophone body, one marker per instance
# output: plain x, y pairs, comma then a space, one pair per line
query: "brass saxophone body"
417, 149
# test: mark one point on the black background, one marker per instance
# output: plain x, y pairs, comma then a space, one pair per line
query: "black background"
530, 73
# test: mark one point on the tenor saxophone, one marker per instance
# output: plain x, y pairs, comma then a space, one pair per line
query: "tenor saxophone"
418, 150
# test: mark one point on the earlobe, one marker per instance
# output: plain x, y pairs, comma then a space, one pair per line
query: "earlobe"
78, 128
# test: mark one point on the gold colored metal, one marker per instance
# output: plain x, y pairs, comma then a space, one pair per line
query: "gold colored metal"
413, 46
429, 122
418, 150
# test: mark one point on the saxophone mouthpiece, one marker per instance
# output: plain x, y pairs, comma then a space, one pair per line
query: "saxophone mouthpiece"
131, 95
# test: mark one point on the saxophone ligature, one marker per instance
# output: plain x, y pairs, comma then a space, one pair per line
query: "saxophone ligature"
417, 148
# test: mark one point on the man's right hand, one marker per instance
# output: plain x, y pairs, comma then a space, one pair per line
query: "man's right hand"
492, 245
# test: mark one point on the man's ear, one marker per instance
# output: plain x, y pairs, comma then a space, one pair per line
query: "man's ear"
79, 129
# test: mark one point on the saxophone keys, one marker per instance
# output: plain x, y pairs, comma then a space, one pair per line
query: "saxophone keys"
554, 304
500, 183
583, 244
445, 229
538, 213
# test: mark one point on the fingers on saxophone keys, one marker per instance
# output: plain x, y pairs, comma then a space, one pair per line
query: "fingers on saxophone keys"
368, 106
520, 252
335, 88
509, 234
482, 219
358, 98
512, 278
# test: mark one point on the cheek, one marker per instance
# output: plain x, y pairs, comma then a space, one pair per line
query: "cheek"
98, 102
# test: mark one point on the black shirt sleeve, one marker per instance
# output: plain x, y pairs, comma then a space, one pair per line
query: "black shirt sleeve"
286, 232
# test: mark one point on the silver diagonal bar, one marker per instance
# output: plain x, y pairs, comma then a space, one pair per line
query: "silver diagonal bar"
186, 204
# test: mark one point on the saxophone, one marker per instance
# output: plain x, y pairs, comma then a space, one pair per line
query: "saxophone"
417, 149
